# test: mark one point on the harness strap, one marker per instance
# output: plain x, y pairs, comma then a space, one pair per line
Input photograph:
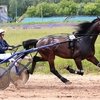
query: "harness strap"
72, 42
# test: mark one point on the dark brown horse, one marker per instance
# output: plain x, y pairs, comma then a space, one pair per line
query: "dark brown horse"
78, 49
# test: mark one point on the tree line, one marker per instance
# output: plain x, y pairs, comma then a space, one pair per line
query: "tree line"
47, 8
65, 8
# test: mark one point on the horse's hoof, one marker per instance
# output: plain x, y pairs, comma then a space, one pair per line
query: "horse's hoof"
64, 80
80, 73
68, 82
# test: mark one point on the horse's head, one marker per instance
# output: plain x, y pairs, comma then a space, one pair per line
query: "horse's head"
96, 25
96, 20
84, 27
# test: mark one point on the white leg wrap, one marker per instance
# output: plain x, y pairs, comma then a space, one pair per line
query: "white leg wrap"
82, 71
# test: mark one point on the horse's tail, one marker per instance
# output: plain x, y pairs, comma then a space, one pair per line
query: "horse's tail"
28, 44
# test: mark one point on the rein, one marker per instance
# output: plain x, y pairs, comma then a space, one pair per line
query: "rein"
38, 48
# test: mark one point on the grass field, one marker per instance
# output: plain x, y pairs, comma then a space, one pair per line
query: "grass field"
16, 35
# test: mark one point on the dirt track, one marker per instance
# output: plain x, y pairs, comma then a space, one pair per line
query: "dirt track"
49, 87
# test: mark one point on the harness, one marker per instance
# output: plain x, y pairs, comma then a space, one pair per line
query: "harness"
71, 42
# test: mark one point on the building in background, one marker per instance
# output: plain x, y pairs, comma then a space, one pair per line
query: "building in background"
3, 14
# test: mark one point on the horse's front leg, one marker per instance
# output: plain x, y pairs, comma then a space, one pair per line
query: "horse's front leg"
94, 60
80, 70
55, 72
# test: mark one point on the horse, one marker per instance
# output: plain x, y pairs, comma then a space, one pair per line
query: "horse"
80, 48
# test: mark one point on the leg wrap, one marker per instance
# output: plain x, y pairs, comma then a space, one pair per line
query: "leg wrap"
70, 70
80, 72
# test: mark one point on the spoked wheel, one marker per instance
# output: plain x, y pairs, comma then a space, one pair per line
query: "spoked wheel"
19, 75
4, 78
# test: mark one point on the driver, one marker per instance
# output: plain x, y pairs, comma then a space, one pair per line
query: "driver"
4, 46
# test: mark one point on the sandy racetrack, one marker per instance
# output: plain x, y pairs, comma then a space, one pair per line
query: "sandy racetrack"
49, 87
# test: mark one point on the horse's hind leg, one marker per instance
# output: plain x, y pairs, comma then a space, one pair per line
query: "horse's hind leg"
35, 59
55, 72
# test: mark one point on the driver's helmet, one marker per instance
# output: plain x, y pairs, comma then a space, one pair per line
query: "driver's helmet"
2, 31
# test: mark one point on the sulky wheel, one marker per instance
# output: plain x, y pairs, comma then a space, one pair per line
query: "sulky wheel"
4, 78
19, 75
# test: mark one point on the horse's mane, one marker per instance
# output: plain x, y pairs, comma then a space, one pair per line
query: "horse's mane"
84, 27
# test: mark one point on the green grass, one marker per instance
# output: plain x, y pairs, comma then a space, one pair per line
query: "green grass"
17, 35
